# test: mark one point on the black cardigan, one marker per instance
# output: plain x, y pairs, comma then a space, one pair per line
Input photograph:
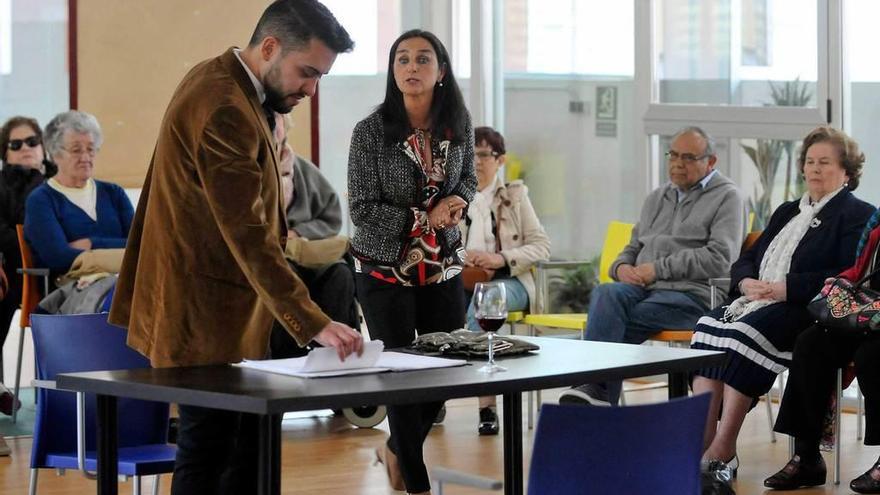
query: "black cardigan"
16, 183
824, 251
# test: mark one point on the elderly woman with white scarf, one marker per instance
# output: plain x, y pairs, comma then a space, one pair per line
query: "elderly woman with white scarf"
805, 242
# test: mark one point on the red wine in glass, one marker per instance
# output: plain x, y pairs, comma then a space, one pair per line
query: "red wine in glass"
490, 324
490, 305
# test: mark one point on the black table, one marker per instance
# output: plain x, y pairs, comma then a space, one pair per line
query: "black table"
559, 363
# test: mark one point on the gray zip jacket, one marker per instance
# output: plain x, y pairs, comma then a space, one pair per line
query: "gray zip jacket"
691, 241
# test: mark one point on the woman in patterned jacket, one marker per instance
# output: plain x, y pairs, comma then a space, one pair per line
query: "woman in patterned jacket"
410, 178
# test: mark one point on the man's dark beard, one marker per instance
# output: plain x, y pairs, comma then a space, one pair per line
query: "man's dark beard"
275, 100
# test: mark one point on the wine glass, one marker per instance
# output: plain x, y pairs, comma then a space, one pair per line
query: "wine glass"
490, 304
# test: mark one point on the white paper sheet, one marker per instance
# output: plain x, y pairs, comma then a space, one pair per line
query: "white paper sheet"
324, 362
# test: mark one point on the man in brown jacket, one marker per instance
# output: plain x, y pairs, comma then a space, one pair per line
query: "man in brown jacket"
204, 271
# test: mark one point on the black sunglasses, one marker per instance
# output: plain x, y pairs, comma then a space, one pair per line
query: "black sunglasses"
31, 142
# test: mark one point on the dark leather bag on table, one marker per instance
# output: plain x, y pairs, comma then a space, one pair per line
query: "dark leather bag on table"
472, 275
848, 306
467, 343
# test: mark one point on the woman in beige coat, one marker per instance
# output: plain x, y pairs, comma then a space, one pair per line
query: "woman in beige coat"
502, 234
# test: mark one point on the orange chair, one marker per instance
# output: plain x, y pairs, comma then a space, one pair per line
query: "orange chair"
30, 297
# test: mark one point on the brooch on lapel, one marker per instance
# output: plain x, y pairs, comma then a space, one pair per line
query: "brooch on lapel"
815, 223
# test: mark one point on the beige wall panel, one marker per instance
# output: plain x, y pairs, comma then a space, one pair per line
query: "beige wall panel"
131, 56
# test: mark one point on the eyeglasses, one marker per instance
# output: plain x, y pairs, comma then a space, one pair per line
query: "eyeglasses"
82, 151
685, 158
485, 155
31, 142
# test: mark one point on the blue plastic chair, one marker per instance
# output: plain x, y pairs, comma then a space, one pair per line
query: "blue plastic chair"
637, 450
77, 343
642, 449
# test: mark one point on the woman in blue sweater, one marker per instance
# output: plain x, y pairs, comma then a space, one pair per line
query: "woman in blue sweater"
72, 212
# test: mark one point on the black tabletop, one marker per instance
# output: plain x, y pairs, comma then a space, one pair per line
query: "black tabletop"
560, 362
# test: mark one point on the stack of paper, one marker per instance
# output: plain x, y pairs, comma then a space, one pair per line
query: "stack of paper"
324, 361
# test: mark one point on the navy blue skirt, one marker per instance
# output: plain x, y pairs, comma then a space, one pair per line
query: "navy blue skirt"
758, 345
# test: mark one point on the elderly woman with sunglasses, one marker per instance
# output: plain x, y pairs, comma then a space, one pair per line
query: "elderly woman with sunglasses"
24, 168
72, 212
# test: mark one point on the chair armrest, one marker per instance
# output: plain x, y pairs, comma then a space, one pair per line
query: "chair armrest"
561, 264
38, 272
445, 475
47, 384
541, 287
718, 283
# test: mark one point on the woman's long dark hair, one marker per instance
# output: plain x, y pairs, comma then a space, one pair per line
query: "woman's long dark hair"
448, 114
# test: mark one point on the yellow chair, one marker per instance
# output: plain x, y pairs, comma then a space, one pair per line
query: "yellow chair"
617, 237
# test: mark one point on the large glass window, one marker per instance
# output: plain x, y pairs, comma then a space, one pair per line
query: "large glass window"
862, 89
569, 37
356, 84
735, 52
569, 115
34, 77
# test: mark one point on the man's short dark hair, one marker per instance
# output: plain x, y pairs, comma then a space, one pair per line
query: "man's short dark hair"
296, 22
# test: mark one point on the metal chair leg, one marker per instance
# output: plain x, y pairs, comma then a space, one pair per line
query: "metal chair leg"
18, 374
768, 399
32, 486
837, 438
136, 485
859, 419
156, 480
530, 405
530, 394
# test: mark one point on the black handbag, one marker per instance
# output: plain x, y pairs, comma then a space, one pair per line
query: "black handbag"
845, 305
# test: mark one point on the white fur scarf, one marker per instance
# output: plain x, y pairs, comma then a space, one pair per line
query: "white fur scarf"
777, 259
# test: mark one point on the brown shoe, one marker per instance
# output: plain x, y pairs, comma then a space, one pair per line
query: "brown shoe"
797, 474
387, 458
868, 482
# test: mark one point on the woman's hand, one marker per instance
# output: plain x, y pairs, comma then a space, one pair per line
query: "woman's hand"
85, 244
755, 289
483, 259
778, 291
447, 212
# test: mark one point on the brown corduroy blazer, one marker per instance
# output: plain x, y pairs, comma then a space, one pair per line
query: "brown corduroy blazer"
204, 270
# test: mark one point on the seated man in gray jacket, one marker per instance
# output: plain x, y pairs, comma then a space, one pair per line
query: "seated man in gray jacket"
689, 230
313, 213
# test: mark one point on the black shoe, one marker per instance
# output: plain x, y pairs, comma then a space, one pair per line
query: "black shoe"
588, 394
797, 474
441, 415
866, 483
488, 421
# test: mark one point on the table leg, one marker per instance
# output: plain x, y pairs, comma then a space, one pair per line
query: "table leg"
513, 454
107, 454
269, 482
678, 385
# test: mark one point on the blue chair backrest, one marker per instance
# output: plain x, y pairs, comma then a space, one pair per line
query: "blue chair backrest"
635, 450
78, 343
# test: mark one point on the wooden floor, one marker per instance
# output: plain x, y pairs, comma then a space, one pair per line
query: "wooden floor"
327, 456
